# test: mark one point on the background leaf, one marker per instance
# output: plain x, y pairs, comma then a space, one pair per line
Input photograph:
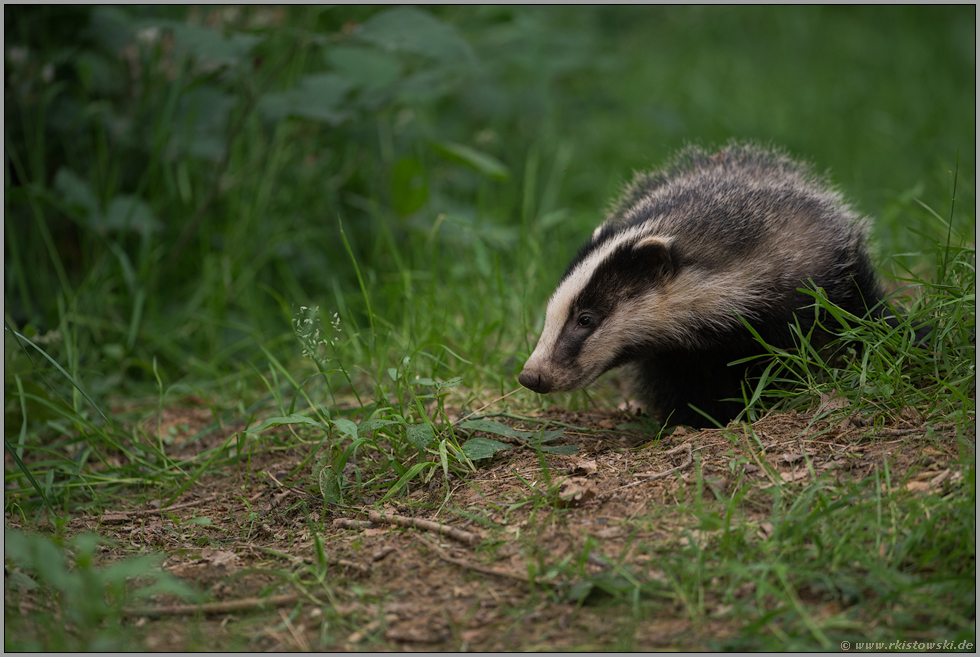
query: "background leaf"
408, 189
483, 448
482, 162
319, 97
412, 30
289, 419
207, 44
365, 66
500, 429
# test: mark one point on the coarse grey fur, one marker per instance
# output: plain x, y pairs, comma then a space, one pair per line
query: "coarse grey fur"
685, 253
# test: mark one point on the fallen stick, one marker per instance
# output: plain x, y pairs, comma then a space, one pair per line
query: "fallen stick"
121, 516
416, 523
661, 475
942, 427
473, 566
225, 607
296, 490
487, 405
348, 523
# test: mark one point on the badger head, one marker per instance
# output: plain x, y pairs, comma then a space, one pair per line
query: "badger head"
604, 312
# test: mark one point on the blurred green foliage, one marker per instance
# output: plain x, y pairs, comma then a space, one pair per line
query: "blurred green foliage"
175, 178
85, 601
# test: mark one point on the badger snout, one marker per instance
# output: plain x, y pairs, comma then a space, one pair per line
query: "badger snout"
532, 380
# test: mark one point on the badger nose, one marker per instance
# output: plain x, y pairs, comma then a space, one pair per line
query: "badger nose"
533, 381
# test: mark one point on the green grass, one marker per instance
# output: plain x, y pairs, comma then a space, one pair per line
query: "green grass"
927, 362
858, 553
183, 186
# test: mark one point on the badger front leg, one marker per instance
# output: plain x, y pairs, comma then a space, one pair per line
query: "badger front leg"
668, 385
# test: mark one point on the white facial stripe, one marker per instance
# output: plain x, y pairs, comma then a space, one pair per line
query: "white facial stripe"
561, 301
572, 286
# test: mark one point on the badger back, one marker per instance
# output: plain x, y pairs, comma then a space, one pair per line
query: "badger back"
688, 252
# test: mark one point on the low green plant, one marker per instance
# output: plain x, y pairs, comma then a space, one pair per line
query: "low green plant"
407, 421
60, 599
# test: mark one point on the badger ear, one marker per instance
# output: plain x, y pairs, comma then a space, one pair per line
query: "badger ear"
658, 252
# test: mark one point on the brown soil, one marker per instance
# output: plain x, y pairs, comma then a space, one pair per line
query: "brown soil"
396, 587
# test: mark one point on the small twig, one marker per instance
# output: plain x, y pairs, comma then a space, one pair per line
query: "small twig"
899, 432
760, 463
187, 505
473, 566
921, 428
296, 490
225, 607
347, 523
487, 405
141, 513
382, 553
660, 475
585, 431
346, 563
598, 560
402, 521
939, 479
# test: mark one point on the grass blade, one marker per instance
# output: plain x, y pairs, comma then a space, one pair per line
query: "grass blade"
71, 379
23, 468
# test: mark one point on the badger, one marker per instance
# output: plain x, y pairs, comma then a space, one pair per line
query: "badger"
686, 258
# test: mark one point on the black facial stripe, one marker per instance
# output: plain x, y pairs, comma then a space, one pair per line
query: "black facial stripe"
570, 340
606, 234
621, 275
627, 272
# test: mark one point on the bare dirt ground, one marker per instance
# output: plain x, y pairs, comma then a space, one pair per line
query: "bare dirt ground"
474, 579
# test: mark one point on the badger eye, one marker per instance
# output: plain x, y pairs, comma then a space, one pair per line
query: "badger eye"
585, 321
